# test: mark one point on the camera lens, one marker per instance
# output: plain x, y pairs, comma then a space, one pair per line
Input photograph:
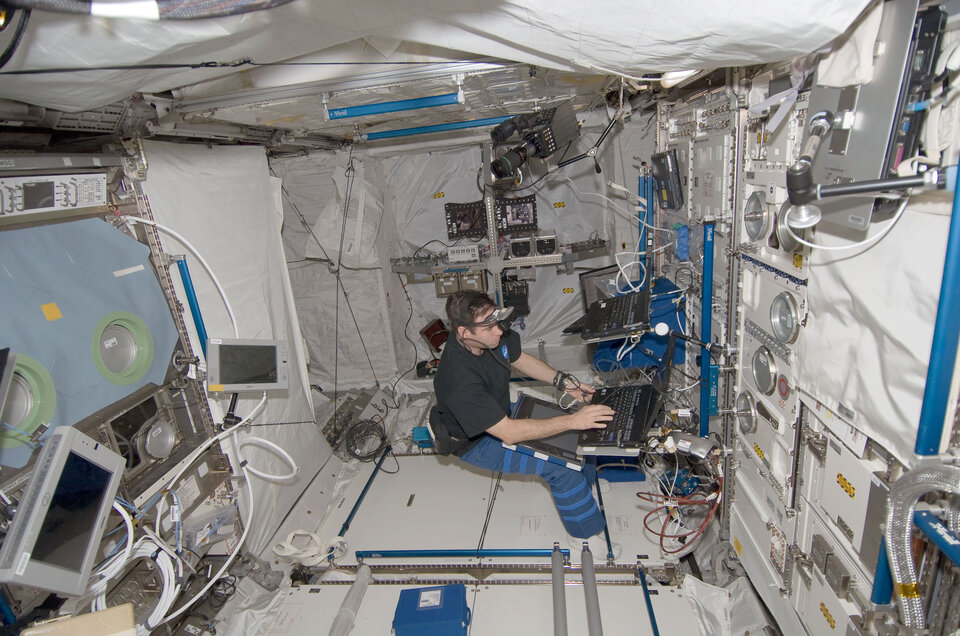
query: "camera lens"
503, 130
508, 163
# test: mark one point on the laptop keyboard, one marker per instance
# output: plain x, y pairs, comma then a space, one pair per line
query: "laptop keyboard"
623, 400
622, 313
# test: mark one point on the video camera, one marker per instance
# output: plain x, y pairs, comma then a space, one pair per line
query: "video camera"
543, 132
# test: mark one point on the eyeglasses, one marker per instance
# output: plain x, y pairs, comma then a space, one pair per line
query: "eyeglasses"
495, 317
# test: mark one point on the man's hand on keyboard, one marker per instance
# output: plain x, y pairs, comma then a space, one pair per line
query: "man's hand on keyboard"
591, 416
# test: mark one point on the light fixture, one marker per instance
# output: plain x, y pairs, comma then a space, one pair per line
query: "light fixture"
435, 128
395, 106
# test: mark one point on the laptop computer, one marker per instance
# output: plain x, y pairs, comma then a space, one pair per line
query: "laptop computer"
637, 408
560, 448
595, 284
617, 317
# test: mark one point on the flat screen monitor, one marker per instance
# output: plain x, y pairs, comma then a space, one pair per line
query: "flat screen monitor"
599, 284
465, 220
55, 534
666, 177
241, 365
517, 214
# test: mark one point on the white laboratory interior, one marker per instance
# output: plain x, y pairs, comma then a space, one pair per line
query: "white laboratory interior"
479, 317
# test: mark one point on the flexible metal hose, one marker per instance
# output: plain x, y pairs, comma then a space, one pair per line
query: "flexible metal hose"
904, 495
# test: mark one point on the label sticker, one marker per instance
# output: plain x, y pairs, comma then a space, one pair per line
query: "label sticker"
430, 598
51, 311
22, 564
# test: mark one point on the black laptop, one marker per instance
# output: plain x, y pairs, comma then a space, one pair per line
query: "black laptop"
595, 284
637, 408
560, 448
617, 317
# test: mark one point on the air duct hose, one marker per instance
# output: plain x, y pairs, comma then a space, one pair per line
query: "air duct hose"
343, 623
904, 495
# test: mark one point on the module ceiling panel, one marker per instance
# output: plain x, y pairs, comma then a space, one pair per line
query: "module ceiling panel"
119, 57
504, 91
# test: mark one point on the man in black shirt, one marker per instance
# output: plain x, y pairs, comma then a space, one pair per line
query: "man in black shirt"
473, 405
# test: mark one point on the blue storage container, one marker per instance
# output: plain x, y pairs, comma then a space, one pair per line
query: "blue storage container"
432, 611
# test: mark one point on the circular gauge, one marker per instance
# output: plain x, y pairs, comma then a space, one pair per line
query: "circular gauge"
746, 414
785, 318
756, 217
786, 236
764, 371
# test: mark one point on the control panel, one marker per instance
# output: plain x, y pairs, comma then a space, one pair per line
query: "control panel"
22, 196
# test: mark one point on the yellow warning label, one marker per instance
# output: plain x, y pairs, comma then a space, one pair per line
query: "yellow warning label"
737, 546
51, 311
758, 451
798, 261
568, 290
439, 195
826, 614
560, 204
846, 485
215, 388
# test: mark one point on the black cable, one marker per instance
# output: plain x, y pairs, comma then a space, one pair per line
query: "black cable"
436, 241
358, 436
396, 461
406, 325
490, 501
17, 37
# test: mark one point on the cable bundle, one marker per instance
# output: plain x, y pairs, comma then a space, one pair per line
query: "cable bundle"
671, 505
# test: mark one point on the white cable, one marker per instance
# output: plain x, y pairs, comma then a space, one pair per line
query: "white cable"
196, 254
265, 443
617, 186
867, 241
213, 440
128, 550
232, 432
233, 555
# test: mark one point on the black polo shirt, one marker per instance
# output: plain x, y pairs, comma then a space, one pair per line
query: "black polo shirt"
473, 392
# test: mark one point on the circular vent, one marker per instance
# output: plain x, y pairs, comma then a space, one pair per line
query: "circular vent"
122, 347
30, 402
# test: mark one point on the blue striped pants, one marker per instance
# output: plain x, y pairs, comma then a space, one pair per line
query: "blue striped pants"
570, 488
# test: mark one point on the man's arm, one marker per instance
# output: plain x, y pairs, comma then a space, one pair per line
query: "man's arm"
512, 431
539, 370
534, 368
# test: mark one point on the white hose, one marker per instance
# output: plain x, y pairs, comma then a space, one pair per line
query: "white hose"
196, 255
236, 550
265, 443
863, 243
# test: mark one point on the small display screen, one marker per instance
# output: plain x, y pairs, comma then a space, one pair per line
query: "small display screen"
38, 195
248, 364
565, 440
466, 220
71, 515
517, 214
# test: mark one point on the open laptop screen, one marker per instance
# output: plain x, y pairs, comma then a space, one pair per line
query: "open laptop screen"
599, 283
562, 445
